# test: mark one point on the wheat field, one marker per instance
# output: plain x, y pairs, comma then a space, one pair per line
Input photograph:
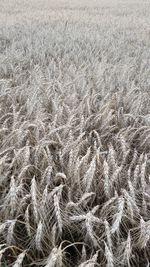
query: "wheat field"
75, 133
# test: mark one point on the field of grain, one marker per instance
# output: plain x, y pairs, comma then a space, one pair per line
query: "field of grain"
74, 133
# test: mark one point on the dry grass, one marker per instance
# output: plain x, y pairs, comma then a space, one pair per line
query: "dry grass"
75, 133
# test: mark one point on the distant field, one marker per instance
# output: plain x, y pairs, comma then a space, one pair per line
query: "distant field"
75, 133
